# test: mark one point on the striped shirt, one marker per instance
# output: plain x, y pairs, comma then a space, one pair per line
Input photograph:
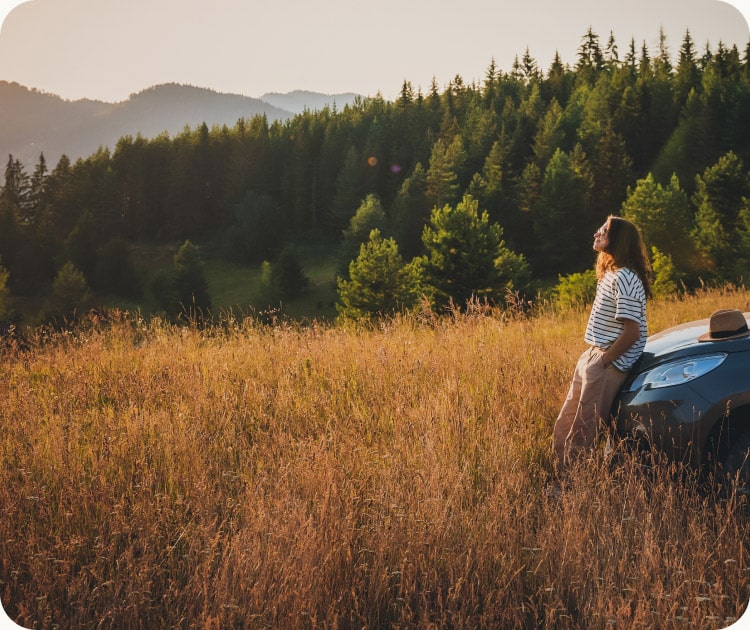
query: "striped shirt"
619, 295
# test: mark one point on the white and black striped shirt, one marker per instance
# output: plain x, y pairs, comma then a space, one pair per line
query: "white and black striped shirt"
619, 295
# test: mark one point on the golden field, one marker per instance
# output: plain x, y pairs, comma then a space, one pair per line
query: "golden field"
251, 476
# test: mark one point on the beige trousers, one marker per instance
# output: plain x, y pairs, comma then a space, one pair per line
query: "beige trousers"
586, 408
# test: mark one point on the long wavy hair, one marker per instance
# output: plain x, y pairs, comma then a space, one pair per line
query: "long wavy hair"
625, 249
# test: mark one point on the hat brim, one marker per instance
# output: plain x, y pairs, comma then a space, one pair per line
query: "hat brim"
708, 337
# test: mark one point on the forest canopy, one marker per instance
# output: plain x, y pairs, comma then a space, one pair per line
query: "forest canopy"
541, 156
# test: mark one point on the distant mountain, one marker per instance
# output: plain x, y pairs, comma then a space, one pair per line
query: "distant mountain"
33, 122
300, 100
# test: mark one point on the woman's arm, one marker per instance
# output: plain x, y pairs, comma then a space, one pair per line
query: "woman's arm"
631, 330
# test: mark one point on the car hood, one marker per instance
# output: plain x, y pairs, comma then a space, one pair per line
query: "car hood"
683, 339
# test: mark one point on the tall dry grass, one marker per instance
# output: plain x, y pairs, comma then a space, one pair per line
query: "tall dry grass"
250, 476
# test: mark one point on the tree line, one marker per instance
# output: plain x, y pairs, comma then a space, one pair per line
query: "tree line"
472, 190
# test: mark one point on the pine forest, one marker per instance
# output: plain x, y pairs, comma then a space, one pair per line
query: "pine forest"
487, 190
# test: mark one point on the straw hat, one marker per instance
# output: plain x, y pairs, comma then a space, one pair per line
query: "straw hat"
725, 324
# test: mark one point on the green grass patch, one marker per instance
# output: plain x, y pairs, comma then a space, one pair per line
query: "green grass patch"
237, 287
232, 286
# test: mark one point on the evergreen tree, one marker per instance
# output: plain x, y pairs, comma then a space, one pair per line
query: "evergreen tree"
491, 79
529, 67
522, 125
666, 275
70, 294
411, 212
722, 121
130, 162
16, 189
687, 77
495, 189
28, 258
590, 57
96, 193
720, 197
562, 216
369, 216
611, 54
663, 62
550, 135
690, 143
611, 170
558, 82
185, 292
631, 58
644, 62
406, 98
530, 188
480, 132
37, 190
379, 283
442, 176
743, 240
82, 244
65, 198
664, 218
654, 113
8, 232
288, 275
349, 186
267, 294
467, 257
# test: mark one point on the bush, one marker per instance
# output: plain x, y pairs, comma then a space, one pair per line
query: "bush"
666, 275
185, 289
288, 275
576, 289
70, 294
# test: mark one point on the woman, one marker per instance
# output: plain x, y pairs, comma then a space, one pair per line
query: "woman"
616, 334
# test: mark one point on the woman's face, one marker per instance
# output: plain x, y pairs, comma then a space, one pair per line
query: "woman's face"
601, 238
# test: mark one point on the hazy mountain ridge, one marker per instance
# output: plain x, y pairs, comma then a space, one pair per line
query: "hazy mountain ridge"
299, 100
34, 122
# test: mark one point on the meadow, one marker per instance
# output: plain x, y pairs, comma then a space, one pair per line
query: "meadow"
288, 476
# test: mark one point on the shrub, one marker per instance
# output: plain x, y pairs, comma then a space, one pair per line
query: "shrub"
576, 289
70, 293
185, 289
288, 275
666, 275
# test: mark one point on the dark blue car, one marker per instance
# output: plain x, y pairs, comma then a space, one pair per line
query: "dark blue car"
689, 394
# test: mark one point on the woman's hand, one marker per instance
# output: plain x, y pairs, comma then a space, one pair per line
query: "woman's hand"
631, 331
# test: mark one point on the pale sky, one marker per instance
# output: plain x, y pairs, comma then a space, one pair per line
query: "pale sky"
108, 49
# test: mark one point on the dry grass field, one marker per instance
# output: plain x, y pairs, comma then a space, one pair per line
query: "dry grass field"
252, 476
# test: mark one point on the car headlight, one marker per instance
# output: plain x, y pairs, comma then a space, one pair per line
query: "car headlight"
678, 372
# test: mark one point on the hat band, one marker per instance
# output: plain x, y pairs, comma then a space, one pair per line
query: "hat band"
729, 333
